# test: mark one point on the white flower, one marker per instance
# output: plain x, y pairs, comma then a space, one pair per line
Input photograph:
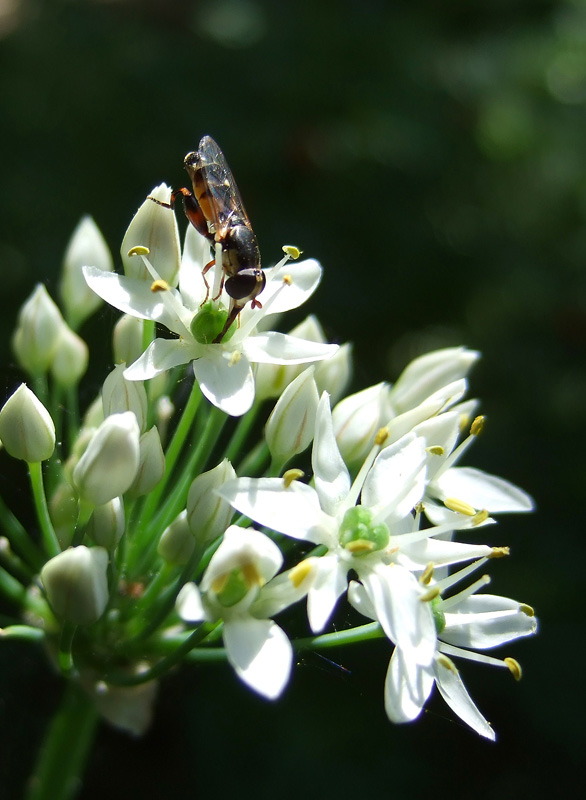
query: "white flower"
465, 622
223, 370
257, 648
356, 536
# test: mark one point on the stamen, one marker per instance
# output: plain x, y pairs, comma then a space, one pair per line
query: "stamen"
139, 250
435, 450
469, 590
292, 475
254, 319
300, 572
480, 517
500, 552
527, 609
251, 575
514, 667
359, 546
453, 504
291, 251
381, 436
430, 595
469, 655
235, 357
477, 426
218, 272
427, 574
160, 286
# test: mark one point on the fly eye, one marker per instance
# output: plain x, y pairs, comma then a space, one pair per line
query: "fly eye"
245, 285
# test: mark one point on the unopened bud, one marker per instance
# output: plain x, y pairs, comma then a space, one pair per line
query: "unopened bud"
127, 342
155, 227
151, 466
356, 420
110, 463
119, 395
291, 425
37, 332
177, 542
106, 524
87, 247
332, 375
208, 515
76, 584
26, 428
71, 358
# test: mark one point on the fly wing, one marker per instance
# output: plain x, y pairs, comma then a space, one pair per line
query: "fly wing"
224, 204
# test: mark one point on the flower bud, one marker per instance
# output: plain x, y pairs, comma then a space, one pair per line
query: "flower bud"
332, 375
428, 374
208, 515
37, 332
127, 342
119, 395
71, 358
76, 584
356, 419
155, 227
26, 428
86, 247
177, 542
151, 467
291, 425
106, 524
109, 465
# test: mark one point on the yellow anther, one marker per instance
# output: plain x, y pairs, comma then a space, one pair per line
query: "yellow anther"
499, 552
381, 436
252, 576
299, 573
139, 250
427, 574
292, 475
514, 668
477, 426
235, 357
219, 584
526, 610
360, 546
435, 450
447, 663
292, 251
480, 517
434, 592
288, 280
460, 506
160, 286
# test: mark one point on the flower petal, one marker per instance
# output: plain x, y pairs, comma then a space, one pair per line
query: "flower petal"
304, 278
160, 355
329, 585
227, 381
331, 476
486, 620
454, 693
407, 687
280, 348
260, 653
482, 490
396, 482
293, 510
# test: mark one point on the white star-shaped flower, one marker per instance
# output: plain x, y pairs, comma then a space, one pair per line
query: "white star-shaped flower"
465, 623
223, 370
231, 590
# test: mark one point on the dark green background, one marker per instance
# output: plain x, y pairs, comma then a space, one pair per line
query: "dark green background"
433, 156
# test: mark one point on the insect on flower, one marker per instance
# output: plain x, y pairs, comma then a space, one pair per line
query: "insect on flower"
214, 207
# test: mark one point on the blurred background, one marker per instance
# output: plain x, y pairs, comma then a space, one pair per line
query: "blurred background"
433, 157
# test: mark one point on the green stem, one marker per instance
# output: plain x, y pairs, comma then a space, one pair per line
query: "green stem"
49, 536
65, 644
243, 428
66, 748
19, 538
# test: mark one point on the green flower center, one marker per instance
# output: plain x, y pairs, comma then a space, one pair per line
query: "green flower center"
209, 322
359, 535
233, 586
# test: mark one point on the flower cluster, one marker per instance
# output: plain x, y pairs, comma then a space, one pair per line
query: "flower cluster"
173, 526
